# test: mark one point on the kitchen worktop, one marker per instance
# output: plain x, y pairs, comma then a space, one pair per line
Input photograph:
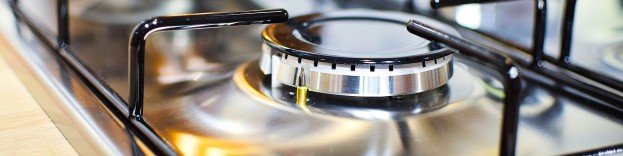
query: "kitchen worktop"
26, 129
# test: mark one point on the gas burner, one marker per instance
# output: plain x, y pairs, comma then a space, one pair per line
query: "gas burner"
359, 53
613, 55
455, 96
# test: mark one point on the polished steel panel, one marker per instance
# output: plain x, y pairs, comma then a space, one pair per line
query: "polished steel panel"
235, 117
63, 94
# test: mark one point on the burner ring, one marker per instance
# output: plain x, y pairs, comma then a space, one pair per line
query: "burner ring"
367, 80
367, 54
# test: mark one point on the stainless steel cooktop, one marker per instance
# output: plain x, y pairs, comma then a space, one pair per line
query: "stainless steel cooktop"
219, 92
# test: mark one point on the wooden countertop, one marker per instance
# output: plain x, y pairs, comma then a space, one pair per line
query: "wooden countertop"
25, 129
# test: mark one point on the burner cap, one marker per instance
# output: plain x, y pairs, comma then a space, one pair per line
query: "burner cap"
356, 53
355, 36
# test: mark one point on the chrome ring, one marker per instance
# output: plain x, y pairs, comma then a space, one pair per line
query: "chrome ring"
366, 80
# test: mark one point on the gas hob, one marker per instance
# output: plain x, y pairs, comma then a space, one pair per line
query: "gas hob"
324, 77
